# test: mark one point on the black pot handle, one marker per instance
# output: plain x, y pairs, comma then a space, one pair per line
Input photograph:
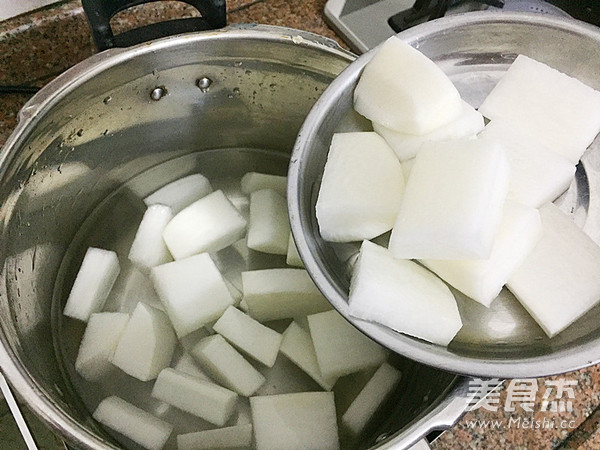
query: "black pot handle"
99, 13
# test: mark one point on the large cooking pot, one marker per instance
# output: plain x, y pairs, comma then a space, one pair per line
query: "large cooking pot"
222, 103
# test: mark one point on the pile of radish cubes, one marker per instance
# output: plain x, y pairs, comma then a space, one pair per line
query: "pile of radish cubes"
171, 297
468, 204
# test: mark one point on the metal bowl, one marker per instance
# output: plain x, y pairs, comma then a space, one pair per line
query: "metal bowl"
474, 50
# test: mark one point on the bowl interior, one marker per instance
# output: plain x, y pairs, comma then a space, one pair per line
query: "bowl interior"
474, 50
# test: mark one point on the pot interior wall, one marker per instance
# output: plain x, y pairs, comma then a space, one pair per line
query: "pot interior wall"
100, 128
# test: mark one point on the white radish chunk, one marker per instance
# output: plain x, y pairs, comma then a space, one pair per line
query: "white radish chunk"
340, 348
255, 181
192, 291
402, 89
482, 279
293, 257
251, 337
181, 193
195, 396
149, 248
146, 345
207, 225
304, 420
134, 423
406, 146
453, 201
131, 287
237, 436
297, 346
559, 111
97, 275
227, 366
273, 294
361, 189
370, 398
268, 225
558, 282
403, 296
98, 344
537, 174
187, 364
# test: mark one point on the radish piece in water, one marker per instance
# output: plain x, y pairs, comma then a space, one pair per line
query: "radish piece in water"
96, 277
146, 345
251, 337
192, 291
98, 344
406, 146
298, 347
195, 396
375, 392
273, 294
237, 436
207, 225
537, 174
482, 279
340, 348
304, 420
453, 201
268, 226
361, 189
559, 111
227, 366
402, 295
558, 282
181, 193
148, 248
402, 89
255, 181
134, 423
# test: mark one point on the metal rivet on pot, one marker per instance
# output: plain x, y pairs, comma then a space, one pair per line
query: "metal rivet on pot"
204, 83
158, 93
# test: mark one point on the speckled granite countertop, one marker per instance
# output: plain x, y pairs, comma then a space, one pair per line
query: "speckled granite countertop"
37, 46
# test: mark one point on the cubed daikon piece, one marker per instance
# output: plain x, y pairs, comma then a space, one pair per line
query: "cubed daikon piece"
181, 193
297, 346
273, 294
482, 279
559, 111
251, 337
146, 345
255, 181
402, 295
404, 90
207, 225
237, 436
370, 398
196, 396
406, 146
558, 282
98, 344
293, 257
149, 248
340, 348
361, 188
304, 420
227, 366
131, 287
96, 277
537, 174
453, 201
193, 292
132, 422
268, 225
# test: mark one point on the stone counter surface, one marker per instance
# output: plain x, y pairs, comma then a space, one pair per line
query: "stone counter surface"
37, 46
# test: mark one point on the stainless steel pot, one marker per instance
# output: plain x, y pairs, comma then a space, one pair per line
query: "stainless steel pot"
221, 103
474, 50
